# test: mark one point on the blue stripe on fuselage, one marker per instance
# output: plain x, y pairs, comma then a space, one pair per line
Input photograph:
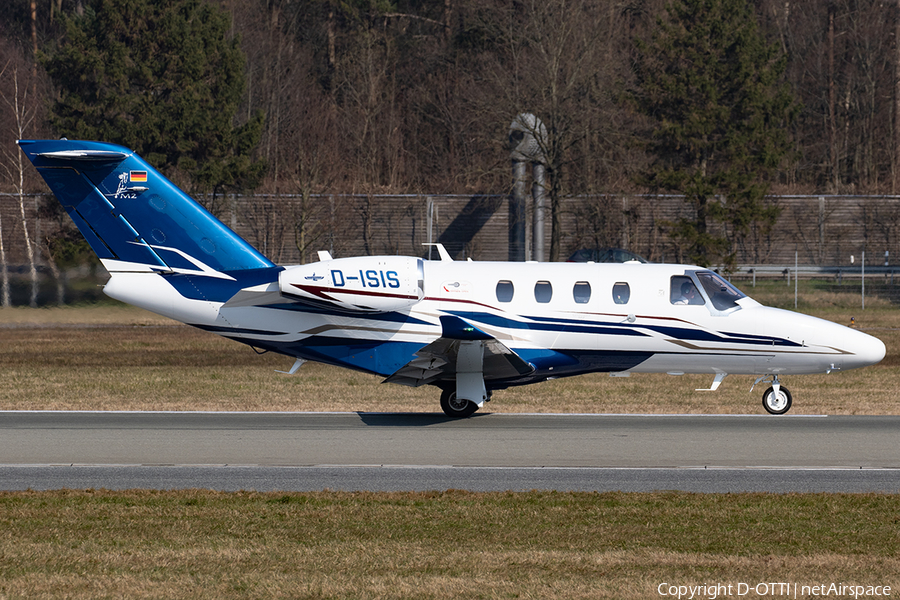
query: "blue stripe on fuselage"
579, 326
684, 333
546, 324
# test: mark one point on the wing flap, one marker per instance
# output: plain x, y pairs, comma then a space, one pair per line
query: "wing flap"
437, 361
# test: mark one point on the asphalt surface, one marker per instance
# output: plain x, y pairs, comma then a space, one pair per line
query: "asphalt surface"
388, 452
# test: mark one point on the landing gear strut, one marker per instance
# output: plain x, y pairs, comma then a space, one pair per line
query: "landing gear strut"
456, 408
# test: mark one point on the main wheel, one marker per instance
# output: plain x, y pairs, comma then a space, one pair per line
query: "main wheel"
777, 404
456, 408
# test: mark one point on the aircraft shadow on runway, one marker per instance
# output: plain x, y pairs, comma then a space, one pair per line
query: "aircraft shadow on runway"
411, 419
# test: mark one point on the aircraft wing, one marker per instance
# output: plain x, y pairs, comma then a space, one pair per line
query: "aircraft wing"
437, 360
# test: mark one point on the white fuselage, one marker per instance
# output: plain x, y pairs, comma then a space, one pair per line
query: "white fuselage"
563, 318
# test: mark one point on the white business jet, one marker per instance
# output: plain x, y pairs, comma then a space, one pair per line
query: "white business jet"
468, 328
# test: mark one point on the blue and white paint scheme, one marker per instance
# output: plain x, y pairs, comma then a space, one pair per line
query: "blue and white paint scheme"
468, 328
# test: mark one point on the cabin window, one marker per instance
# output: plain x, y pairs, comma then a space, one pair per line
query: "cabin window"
582, 292
505, 291
683, 291
621, 292
724, 296
543, 291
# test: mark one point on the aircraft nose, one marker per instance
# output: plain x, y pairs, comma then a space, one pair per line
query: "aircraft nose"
833, 346
864, 350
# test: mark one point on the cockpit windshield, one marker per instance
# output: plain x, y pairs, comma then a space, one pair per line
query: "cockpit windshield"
723, 295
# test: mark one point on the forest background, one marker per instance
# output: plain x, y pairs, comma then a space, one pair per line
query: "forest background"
375, 99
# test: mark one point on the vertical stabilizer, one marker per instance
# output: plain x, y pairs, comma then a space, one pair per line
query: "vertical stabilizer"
135, 219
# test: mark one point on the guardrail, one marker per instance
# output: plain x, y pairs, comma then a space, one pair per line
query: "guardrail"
786, 272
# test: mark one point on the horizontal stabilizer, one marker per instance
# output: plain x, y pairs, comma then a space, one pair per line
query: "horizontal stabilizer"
98, 155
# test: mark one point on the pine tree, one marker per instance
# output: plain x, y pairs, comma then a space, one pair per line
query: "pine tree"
712, 88
163, 77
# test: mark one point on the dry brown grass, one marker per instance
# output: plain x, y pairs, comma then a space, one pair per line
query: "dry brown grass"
127, 359
121, 358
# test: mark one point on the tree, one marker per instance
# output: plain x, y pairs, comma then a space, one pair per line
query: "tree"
562, 43
548, 59
712, 89
23, 110
163, 77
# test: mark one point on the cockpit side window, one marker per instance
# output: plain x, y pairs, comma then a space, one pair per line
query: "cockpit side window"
723, 295
683, 291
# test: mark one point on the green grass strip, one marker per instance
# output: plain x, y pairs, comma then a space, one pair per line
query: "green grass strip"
190, 544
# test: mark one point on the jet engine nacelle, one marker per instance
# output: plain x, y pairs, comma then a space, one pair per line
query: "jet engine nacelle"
357, 284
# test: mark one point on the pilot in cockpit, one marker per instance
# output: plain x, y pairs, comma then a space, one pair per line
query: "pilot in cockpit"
689, 294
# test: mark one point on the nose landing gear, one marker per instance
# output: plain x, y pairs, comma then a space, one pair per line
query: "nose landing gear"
777, 399
777, 402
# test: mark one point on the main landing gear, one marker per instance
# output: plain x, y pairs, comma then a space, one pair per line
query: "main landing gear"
458, 408
777, 399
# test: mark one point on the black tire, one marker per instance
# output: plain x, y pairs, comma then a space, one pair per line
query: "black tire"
779, 405
454, 408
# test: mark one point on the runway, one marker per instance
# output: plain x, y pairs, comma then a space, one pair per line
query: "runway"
387, 452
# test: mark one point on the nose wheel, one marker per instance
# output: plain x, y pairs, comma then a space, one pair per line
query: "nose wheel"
777, 399
777, 402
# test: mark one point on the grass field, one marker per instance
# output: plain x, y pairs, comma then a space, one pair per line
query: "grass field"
203, 544
199, 544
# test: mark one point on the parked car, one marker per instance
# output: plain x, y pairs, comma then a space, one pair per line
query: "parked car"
605, 255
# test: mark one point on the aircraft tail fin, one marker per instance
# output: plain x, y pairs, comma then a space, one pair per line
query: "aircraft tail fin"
134, 218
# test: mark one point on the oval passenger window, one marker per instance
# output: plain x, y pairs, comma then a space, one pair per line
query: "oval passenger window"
621, 293
505, 291
581, 292
543, 291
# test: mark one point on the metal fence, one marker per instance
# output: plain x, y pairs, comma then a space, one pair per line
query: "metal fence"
823, 230
817, 231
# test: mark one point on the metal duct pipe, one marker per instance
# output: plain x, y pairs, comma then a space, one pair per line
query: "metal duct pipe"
517, 212
540, 205
527, 135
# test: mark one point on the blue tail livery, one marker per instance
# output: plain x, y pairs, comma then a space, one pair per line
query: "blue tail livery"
468, 328
134, 218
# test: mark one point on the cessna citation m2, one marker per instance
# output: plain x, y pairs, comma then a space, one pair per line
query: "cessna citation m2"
468, 328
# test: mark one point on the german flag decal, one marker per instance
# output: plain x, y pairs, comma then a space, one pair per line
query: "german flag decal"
138, 177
